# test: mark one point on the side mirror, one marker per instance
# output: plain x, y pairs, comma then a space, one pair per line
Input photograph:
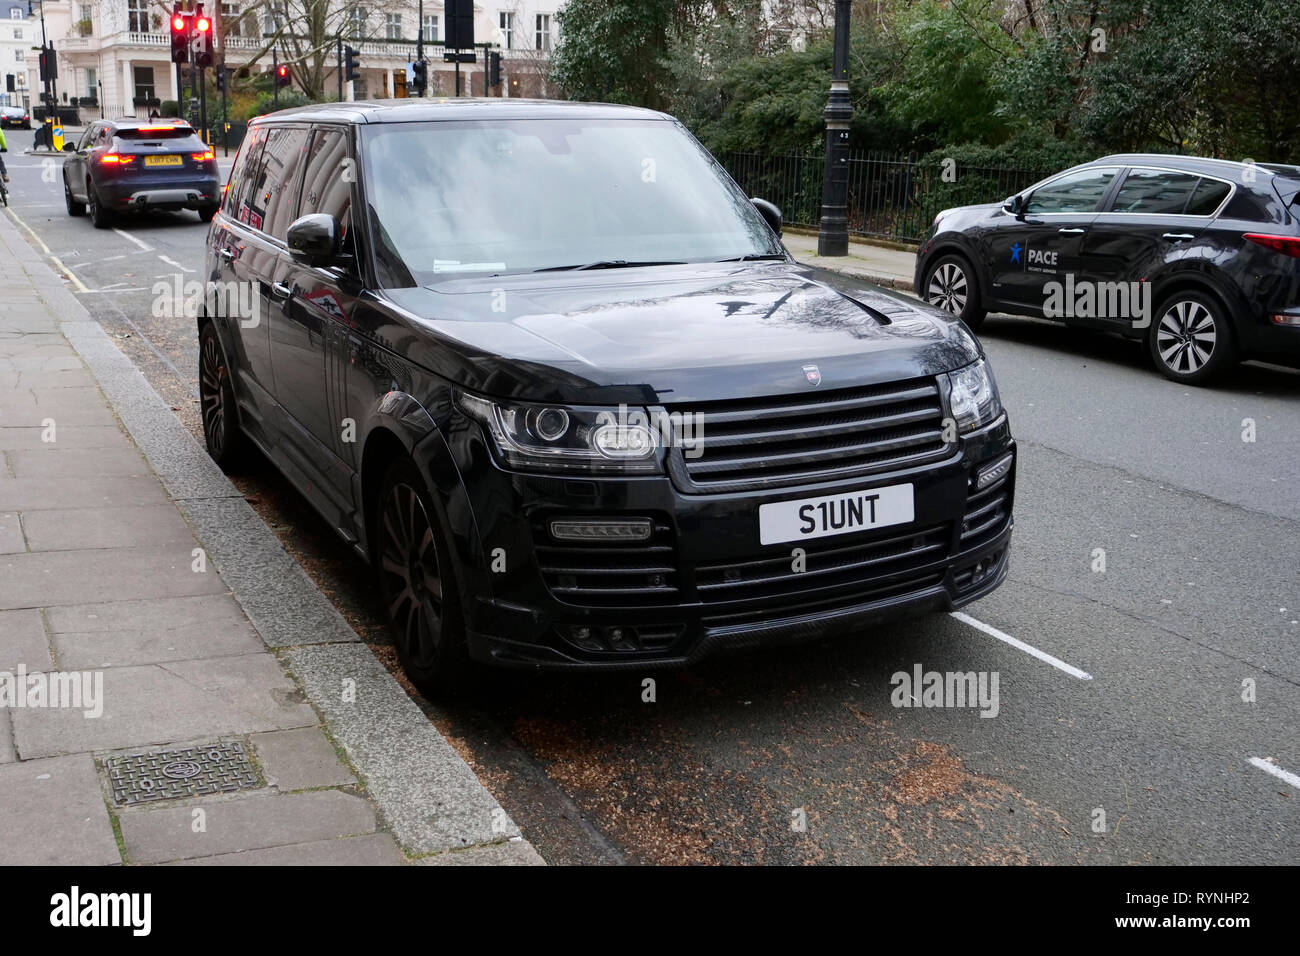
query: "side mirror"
771, 214
69, 147
314, 240
1016, 204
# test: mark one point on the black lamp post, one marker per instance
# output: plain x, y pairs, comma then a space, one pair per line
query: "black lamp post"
833, 237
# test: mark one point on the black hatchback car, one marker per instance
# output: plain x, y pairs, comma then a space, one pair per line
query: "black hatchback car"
120, 166
554, 375
1198, 257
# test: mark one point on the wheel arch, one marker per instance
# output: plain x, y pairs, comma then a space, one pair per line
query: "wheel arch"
952, 247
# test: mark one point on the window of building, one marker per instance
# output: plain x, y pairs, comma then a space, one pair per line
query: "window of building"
393, 26
137, 16
543, 31
430, 29
15, 13
92, 82
230, 21
272, 20
144, 88
359, 16
18, 33
20, 56
507, 23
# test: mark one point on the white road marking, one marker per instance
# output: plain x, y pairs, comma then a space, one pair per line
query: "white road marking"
126, 235
1029, 649
1276, 771
173, 262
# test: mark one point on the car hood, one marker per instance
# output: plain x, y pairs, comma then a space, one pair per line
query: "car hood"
676, 334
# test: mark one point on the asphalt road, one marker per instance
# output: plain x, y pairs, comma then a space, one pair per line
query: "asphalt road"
1121, 734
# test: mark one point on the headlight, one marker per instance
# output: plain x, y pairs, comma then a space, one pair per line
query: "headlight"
973, 396
567, 438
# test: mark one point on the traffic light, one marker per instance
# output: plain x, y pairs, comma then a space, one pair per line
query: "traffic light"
419, 78
282, 77
494, 69
180, 23
202, 39
221, 80
49, 63
351, 64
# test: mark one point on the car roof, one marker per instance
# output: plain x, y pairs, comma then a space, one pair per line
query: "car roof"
455, 108
1194, 164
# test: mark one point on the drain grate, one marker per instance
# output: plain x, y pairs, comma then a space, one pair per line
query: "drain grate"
191, 772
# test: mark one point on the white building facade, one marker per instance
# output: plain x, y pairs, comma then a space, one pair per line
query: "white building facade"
115, 55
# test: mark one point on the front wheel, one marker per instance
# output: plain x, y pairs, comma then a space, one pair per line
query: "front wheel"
950, 285
1190, 338
221, 434
417, 583
74, 208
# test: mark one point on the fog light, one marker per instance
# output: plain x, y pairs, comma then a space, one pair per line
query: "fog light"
601, 529
994, 472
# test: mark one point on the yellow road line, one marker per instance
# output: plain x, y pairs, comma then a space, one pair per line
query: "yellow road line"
81, 286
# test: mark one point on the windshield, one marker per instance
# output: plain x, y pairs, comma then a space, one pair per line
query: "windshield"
454, 199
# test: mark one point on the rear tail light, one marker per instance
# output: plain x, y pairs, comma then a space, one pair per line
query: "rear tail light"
1287, 245
204, 156
116, 159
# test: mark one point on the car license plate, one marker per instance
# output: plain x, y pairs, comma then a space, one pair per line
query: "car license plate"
850, 511
164, 161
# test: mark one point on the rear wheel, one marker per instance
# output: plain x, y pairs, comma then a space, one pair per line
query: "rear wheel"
100, 216
225, 442
207, 213
74, 208
950, 285
1191, 339
417, 583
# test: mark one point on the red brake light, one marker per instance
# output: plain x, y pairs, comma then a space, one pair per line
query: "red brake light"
155, 129
202, 157
1287, 245
116, 159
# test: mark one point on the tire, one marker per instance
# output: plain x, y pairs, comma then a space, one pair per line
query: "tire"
74, 208
207, 214
1191, 339
225, 442
100, 216
417, 584
950, 285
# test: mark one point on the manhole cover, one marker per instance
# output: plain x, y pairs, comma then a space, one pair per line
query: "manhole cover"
192, 772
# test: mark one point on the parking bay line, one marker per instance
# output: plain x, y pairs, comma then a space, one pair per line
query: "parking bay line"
1021, 645
1276, 771
139, 242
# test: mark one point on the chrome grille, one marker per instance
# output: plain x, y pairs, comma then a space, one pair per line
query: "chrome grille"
815, 437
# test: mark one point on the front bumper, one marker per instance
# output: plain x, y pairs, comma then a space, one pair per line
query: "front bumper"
721, 589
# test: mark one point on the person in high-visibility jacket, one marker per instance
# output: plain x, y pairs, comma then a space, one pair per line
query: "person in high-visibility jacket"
4, 148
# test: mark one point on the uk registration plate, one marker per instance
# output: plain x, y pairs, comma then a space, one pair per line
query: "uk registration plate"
809, 518
164, 161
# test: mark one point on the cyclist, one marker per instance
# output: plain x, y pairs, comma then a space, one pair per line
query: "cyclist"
4, 148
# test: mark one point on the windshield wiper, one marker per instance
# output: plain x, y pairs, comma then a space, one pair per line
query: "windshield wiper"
756, 257
609, 264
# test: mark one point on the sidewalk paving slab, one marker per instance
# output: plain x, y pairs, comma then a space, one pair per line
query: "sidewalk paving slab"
52, 813
302, 759
374, 849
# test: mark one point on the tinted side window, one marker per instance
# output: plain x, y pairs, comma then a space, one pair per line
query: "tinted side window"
1206, 198
246, 161
1077, 192
327, 180
1155, 192
276, 192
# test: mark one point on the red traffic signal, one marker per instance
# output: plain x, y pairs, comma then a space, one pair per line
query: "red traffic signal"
178, 23
282, 77
203, 25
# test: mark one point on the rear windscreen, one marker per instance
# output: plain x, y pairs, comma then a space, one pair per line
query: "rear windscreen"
155, 132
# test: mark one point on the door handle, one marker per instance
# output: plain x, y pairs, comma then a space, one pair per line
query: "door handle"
282, 290
1076, 229
1177, 236
226, 253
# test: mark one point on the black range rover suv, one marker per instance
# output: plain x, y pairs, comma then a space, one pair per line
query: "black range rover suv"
554, 375
1200, 258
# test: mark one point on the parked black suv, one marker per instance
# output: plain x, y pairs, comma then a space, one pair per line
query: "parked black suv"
1199, 257
125, 165
559, 381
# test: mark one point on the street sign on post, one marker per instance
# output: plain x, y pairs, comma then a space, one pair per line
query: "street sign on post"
460, 25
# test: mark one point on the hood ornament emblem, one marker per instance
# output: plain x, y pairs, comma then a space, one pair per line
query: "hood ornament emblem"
813, 374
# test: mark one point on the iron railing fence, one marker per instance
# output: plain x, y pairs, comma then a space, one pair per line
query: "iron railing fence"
891, 196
